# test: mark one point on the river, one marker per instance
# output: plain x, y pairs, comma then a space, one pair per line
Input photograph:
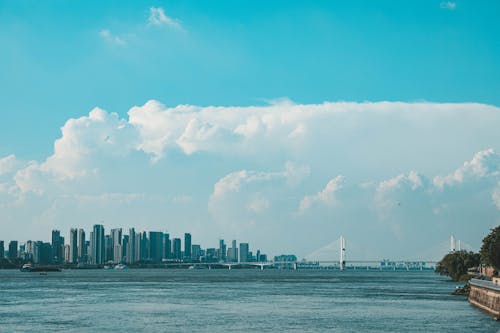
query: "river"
172, 300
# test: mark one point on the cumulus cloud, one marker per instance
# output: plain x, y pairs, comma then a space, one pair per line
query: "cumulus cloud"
484, 164
8, 164
227, 163
325, 196
158, 17
110, 38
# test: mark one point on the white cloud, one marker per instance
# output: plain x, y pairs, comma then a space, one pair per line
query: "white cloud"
448, 5
110, 38
484, 164
258, 205
325, 196
158, 17
8, 164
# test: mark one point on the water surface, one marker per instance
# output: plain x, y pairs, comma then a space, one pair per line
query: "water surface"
171, 300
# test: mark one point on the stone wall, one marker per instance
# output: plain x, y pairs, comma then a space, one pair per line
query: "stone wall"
485, 295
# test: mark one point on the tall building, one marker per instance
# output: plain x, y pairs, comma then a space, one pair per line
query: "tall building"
13, 249
98, 250
176, 248
73, 245
116, 237
156, 246
2, 249
232, 252
82, 246
42, 253
195, 252
108, 245
222, 250
244, 254
130, 253
67, 253
187, 246
167, 246
143, 247
57, 246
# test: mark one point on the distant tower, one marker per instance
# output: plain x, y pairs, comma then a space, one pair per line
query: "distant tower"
452, 244
459, 245
342, 253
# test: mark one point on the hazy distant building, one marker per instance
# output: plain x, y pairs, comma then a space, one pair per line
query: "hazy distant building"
67, 253
82, 246
108, 246
176, 248
57, 246
232, 252
167, 246
42, 253
2, 249
97, 245
244, 255
222, 250
187, 246
195, 252
116, 244
13, 249
130, 257
156, 246
73, 246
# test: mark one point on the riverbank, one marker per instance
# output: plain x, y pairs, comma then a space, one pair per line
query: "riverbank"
486, 296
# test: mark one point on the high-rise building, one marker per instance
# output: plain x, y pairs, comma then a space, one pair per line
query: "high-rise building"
42, 253
108, 245
232, 252
244, 255
187, 246
167, 246
143, 246
222, 250
57, 246
82, 247
13, 249
2, 249
176, 248
130, 255
116, 237
195, 252
156, 246
98, 250
73, 245
67, 253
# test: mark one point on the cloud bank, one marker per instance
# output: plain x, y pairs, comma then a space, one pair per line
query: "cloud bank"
371, 171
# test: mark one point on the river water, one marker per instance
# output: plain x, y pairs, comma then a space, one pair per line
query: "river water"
171, 300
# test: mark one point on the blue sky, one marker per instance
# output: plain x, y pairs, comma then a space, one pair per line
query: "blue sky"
238, 64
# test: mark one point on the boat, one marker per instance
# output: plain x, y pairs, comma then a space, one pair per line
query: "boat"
31, 268
121, 267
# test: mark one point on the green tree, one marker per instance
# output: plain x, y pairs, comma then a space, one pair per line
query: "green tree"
456, 264
490, 251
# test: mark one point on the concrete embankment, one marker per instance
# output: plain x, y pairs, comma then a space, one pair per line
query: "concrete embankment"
486, 296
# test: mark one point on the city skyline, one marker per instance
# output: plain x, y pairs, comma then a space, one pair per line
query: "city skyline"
268, 123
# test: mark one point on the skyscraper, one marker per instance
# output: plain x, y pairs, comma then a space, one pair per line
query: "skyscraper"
116, 237
156, 246
232, 252
82, 246
73, 245
42, 253
13, 249
187, 246
167, 246
176, 248
222, 250
57, 246
130, 256
97, 245
108, 246
2, 249
244, 252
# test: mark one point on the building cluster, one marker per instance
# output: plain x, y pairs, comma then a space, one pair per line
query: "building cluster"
98, 248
